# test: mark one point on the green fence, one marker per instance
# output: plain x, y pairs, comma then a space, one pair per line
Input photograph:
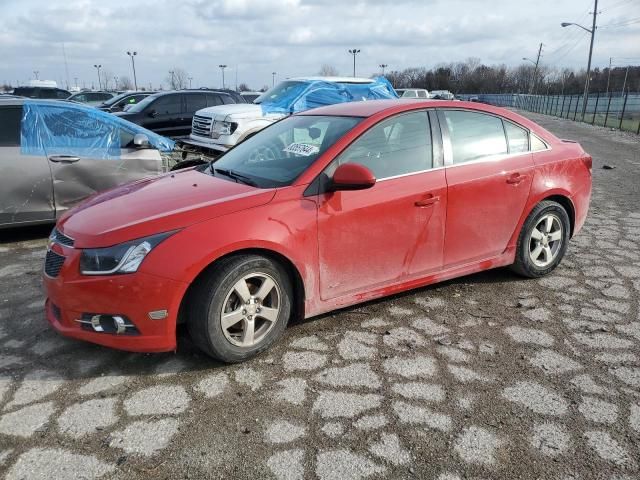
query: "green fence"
613, 110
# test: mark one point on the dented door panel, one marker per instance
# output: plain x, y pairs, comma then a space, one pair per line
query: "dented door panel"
75, 180
25, 188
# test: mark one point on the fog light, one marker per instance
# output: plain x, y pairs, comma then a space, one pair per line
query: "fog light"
117, 324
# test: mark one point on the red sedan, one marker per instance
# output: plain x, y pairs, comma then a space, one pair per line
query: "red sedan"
324, 209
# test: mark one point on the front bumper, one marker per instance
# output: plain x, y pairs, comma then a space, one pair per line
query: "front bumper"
214, 147
70, 296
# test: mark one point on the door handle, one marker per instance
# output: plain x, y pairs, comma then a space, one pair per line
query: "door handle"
64, 158
427, 201
516, 178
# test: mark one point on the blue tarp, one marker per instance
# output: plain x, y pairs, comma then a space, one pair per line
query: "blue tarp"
308, 94
65, 128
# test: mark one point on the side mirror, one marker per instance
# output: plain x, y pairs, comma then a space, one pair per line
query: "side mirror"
352, 176
140, 140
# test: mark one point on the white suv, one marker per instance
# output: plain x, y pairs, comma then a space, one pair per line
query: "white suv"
220, 128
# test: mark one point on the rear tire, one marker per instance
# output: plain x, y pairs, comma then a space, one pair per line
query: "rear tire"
543, 240
240, 307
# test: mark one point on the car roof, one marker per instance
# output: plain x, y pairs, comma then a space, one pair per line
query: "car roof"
333, 79
10, 101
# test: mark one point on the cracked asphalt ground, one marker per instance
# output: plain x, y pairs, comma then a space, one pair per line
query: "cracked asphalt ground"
487, 376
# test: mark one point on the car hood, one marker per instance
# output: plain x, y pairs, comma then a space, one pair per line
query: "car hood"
235, 111
154, 205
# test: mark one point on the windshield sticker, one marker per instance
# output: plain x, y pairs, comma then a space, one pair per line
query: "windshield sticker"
302, 149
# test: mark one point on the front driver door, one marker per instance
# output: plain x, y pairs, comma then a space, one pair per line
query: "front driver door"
369, 238
88, 154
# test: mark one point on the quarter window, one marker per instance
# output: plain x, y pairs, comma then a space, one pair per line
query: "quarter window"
474, 135
397, 146
517, 137
537, 144
195, 102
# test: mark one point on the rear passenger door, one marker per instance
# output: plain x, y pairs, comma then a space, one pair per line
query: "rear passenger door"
25, 181
489, 171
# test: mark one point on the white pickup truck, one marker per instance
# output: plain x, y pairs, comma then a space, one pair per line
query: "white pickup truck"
220, 128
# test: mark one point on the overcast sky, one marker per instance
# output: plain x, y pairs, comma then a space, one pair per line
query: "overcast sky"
295, 37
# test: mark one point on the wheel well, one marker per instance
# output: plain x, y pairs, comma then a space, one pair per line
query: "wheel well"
292, 271
568, 206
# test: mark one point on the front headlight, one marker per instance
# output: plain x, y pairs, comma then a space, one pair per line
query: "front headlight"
223, 128
123, 258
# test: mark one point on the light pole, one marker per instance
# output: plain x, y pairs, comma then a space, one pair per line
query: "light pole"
608, 76
354, 52
592, 32
190, 78
273, 78
36, 73
76, 81
382, 66
222, 67
115, 79
99, 79
133, 66
173, 82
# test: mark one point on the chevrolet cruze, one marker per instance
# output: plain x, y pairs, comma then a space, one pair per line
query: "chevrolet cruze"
321, 210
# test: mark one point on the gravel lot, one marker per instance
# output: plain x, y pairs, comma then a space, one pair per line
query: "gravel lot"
488, 376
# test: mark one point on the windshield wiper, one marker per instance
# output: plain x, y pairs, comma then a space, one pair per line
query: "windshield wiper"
238, 177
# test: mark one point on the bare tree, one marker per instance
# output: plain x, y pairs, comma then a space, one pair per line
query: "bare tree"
177, 78
243, 87
327, 70
124, 83
106, 77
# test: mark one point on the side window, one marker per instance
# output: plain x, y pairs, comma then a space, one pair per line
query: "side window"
474, 135
213, 99
195, 102
81, 98
537, 144
517, 137
409, 94
10, 118
167, 105
422, 94
61, 94
226, 99
396, 146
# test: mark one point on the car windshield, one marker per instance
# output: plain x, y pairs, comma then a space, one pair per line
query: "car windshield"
276, 93
142, 104
277, 155
112, 100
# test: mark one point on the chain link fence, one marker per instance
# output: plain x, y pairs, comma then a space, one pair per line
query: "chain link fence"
613, 110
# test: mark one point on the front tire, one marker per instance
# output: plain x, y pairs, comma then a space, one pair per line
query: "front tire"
543, 240
240, 308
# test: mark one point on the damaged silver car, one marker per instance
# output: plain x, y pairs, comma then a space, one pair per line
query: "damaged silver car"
55, 154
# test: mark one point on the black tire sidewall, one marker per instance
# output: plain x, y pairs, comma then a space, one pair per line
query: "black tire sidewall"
220, 286
523, 264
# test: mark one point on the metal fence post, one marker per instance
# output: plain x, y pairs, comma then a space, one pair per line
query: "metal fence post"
606, 117
569, 107
575, 112
562, 108
624, 106
595, 110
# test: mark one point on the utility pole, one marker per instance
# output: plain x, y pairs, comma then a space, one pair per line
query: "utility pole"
222, 67
609, 76
354, 52
98, 67
173, 82
190, 78
383, 66
532, 88
591, 31
273, 78
76, 80
624, 84
133, 66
